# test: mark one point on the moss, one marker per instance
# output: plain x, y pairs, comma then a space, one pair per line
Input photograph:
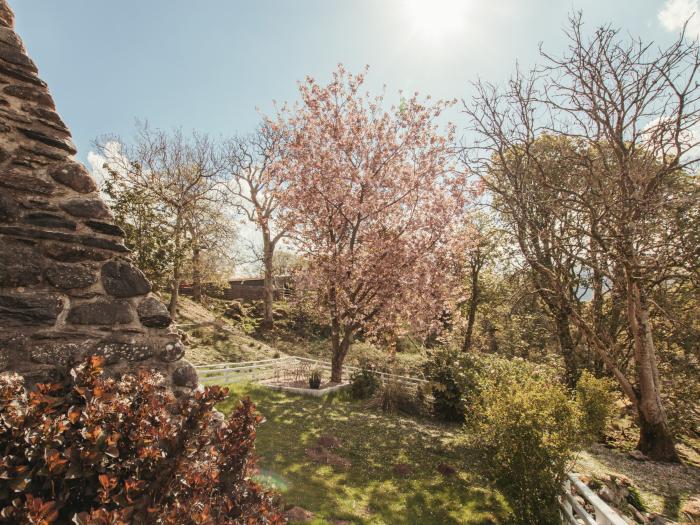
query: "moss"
634, 498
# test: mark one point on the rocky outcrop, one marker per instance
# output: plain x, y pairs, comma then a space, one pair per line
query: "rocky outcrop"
68, 289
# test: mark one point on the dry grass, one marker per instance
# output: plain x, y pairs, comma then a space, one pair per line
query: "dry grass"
216, 340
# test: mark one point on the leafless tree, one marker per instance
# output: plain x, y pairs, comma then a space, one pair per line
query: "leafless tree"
629, 112
528, 174
182, 173
252, 189
211, 232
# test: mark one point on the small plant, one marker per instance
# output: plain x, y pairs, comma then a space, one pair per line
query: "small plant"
315, 379
634, 498
364, 383
393, 396
596, 399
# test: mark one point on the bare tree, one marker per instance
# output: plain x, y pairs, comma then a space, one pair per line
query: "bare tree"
211, 232
636, 109
182, 174
628, 112
529, 174
250, 162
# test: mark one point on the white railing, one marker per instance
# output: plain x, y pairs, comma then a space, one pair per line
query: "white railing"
244, 371
573, 513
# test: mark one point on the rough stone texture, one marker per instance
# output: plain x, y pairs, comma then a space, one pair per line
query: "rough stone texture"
123, 349
27, 309
101, 312
121, 279
68, 276
9, 211
57, 352
20, 264
172, 352
72, 253
91, 208
67, 287
185, 375
49, 220
73, 175
153, 313
25, 183
105, 227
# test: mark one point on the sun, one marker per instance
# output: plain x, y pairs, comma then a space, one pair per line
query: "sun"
437, 20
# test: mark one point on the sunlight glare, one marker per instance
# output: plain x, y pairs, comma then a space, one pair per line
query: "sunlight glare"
435, 20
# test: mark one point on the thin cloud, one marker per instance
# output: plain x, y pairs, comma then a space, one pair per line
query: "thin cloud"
97, 161
675, 13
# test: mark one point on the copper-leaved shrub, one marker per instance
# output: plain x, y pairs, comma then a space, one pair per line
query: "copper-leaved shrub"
93, 450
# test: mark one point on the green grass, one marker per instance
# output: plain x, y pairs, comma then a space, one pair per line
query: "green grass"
368, 492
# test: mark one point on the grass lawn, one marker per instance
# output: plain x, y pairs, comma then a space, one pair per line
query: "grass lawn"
360, 485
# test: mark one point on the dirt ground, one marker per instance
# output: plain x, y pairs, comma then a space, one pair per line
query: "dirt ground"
664, 486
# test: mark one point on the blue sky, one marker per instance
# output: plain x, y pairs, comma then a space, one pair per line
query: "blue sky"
208, 64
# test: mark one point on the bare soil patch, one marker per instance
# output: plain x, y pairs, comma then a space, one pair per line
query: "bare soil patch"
665, 487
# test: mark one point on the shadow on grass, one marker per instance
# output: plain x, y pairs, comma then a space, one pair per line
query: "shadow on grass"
368, 491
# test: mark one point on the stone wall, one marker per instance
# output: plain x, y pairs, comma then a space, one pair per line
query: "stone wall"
67, 286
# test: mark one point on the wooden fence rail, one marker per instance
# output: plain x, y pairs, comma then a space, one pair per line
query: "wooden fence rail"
573, 513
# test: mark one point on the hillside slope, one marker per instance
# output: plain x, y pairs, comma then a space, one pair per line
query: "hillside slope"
211, 339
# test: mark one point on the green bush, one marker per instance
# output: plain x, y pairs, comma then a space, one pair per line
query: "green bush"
364, 382
455, 381
528, 431
596, 399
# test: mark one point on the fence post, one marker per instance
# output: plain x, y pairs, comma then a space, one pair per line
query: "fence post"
565, 502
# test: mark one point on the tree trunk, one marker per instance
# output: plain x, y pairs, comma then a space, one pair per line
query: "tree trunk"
656, 440
490, 330
196, 274
559, 307
566, 348
340, 347
471, 309
597, 306
269, 283
175, 282
174, 292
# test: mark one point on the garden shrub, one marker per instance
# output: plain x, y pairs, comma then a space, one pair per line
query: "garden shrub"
364, 382
93, 450
454, 378
528, 432
441, 370
596, 399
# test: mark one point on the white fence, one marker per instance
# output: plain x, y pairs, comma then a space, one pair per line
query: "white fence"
573, 513
245, 371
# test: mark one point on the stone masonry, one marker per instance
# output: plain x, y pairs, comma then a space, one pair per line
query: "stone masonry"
67, 287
